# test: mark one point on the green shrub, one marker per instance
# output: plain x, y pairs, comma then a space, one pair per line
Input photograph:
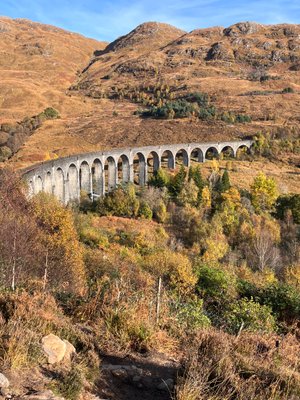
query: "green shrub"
249, 315
288, 90
214, 283
69, 383
242, 118
160, 212
198, 97
49, 113
121, 202
5, 153
145, 211
282, 298
159, 179
190, 314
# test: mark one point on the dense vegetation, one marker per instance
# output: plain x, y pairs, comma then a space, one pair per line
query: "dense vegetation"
194, 104
164, 102
227, 261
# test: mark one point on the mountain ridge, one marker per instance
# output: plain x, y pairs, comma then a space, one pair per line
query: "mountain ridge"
98, 88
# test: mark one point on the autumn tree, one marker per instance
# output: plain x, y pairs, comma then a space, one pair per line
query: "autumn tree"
263, 193
262, 247
174, 268
65, 256
22, 254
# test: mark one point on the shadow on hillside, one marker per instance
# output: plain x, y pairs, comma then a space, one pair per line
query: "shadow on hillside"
129, 378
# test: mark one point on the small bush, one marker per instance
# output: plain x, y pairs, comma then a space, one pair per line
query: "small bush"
213, 282
190, 314
69, 383
145, 211
288, 90
5, 153
249, 315
49, 113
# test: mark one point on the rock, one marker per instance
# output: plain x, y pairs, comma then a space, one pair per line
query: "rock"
70, 350
119, 373
4, 382
166, 385
244, 28
295, 67
219, 51
4, 136
136, 378
44, 395
54, 348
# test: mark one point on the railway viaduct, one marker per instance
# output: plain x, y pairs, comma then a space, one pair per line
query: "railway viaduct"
99, 172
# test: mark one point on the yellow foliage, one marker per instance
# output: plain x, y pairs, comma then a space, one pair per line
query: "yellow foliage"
232, 197
61, 241
215, 165
206, 197
264, 192
176, 266
292, 275
216, 245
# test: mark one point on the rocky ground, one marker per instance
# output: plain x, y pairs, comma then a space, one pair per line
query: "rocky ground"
120, 376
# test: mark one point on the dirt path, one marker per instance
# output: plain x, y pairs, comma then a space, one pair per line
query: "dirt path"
135, 378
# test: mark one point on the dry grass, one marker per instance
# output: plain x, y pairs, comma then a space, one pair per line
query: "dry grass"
41, 74
250, 366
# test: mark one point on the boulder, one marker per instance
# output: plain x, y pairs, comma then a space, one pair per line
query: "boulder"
4, 382
4, 136
70, 350
54, 348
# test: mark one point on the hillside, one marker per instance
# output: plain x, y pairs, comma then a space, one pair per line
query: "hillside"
247, 70
37, 64
186, 288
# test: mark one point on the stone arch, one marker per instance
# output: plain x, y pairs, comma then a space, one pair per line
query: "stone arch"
153, 163
123, 169
97, 178
39, 185
197, 155
72, 177
211, 153
168, 159
110, 169
48, 183
182, 158
59, 187
227, 152
85, 177
139, 169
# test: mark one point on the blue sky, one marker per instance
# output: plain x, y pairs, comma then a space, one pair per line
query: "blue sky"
107, 20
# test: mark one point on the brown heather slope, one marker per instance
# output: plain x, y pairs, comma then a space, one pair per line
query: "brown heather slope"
37, 64
244, 69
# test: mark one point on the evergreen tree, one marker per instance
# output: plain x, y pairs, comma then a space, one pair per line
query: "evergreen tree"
225, 181
177, 182
159, 179
196, 176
